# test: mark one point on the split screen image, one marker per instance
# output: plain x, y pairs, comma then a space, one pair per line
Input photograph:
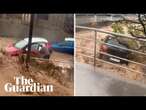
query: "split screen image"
72, 55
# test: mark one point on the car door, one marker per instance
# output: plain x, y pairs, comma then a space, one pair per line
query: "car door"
42, 50
35, 49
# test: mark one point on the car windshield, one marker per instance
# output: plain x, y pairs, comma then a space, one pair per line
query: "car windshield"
20, 44
115, 42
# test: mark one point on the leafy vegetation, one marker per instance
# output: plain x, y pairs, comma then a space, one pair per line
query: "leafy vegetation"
117, 27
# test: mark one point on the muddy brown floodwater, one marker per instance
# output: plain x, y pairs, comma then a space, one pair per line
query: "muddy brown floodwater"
59, 74
11, 67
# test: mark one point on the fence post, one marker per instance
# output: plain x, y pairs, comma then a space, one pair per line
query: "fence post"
95, 48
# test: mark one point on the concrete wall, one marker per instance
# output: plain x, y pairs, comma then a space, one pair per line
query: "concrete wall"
52, 29
97, 18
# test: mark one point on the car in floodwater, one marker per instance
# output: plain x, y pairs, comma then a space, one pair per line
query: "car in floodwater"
39, 47
66, 46
114, 47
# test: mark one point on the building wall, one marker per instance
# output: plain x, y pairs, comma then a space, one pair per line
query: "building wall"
12, 25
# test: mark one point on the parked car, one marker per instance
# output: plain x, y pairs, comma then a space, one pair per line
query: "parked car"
66, 46
115, 51
39, 48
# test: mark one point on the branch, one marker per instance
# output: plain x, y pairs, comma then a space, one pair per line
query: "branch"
141, 22
138, 30
139, 36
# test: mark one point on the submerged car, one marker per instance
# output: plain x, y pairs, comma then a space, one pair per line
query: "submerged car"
39, 47
66, 46
115, 48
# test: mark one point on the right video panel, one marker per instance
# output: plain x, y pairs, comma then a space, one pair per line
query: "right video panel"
110, 54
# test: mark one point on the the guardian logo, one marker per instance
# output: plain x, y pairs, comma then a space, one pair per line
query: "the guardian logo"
23, 84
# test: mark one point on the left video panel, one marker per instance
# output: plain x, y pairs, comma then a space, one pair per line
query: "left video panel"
36, 54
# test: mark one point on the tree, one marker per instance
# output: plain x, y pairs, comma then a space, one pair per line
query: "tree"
135, 27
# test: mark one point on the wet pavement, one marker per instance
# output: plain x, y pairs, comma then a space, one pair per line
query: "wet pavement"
97, 82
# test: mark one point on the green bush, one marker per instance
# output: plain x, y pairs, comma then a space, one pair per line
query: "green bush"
117, 28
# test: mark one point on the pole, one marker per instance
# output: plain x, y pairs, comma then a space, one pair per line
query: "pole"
95, 48
30, 39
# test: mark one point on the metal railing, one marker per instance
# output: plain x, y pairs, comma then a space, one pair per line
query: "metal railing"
107, 54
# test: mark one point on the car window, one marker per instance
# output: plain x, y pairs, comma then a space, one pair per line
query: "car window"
40, 47
35, 46
115, 41
21, 44
42, 44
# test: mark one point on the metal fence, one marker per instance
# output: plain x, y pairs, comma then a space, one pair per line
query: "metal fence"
101, 42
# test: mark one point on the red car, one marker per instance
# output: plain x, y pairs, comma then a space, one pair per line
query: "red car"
39, 48
117, 48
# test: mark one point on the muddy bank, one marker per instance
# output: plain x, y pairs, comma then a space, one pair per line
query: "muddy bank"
44, 73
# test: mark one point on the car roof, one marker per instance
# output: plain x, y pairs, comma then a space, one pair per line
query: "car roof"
36, 39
